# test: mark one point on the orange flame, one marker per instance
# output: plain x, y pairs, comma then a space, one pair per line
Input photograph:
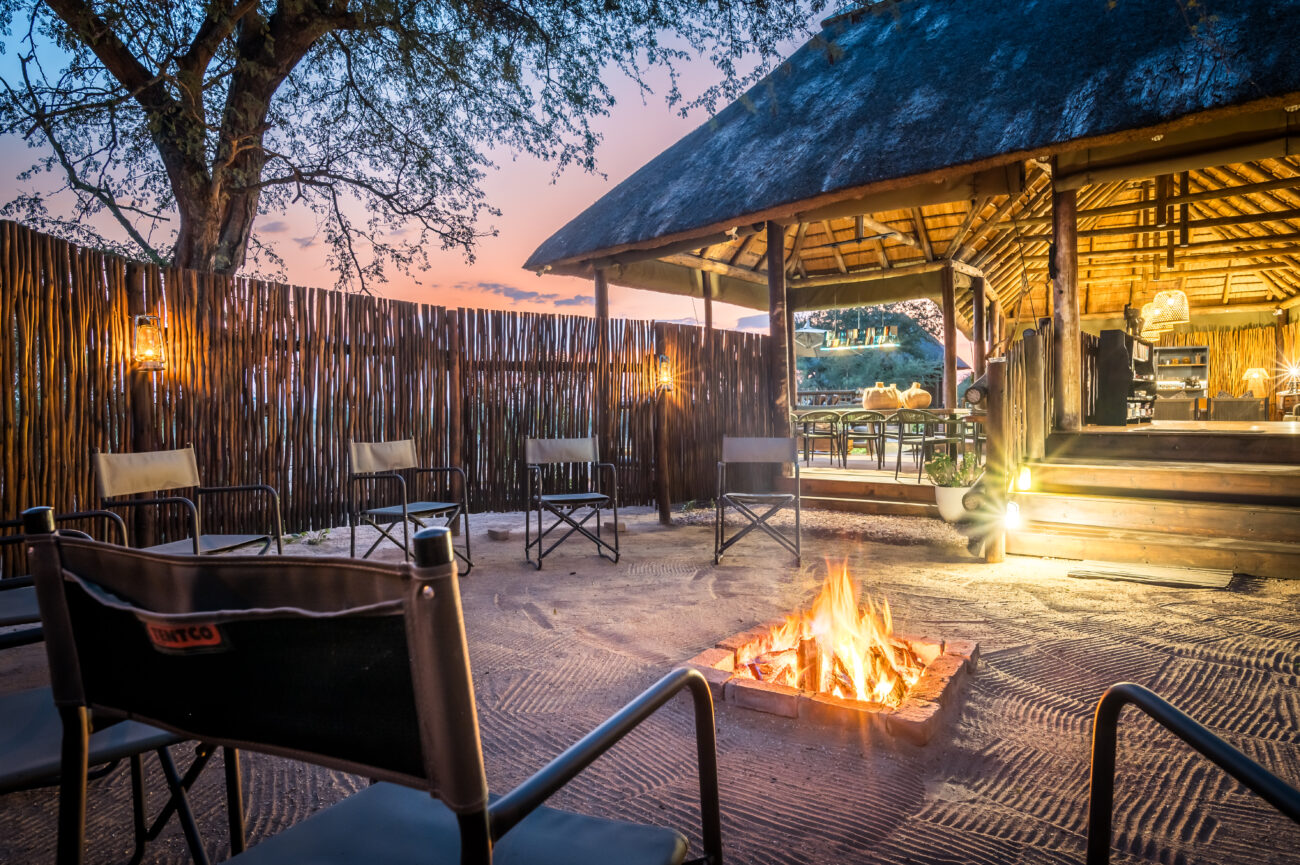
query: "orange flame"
837, 646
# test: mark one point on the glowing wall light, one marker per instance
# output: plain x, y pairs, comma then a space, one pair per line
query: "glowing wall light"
1024, 479
148, 351
1011, 519
665, 374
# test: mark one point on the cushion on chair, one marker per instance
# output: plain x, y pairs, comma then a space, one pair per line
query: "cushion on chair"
18, 607
31, 736
413, 509
208, 544
574, 498
386, 824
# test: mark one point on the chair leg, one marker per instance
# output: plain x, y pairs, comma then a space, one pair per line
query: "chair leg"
234, 800
72, 785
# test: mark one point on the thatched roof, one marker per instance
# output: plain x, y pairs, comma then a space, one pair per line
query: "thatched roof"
897, 140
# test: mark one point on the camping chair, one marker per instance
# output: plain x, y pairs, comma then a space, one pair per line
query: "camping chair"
818, 426
540, 452
384, 461
354, 666
119, 475
32, 739
863, 426
756, 450
921, 431
18, 608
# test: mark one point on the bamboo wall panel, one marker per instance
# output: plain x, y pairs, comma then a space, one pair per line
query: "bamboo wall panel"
270, 382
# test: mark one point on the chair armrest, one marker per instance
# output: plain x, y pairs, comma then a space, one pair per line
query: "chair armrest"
613, 481
113, 519
16, 583
506, 812
278, 528
451, 470
164, 500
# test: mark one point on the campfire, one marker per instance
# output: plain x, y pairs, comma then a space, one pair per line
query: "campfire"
838, 647
839, 661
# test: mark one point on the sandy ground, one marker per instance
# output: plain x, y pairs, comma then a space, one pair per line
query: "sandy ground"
554, 652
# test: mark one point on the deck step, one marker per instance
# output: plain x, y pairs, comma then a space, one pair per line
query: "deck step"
1258, 558
1263, 483
1143, 442
846, 485
1244, 522
857, 505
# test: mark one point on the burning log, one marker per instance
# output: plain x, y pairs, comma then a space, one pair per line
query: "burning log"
809, 665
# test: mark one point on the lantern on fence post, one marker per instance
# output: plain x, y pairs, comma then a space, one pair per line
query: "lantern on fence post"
148, 350
665, 374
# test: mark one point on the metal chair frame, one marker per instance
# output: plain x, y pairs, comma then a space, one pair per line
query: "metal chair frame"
876, 439
105, 756
774, 502
449, 515
536, 502
924, 441
1105, 728
817, 426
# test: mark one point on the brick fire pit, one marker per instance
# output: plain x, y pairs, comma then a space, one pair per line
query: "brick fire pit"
915, 719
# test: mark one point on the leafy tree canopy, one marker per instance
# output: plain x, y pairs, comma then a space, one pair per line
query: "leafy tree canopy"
919, 322
185, 121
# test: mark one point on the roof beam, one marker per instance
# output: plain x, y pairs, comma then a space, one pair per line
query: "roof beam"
796, 249
918, 220
835, 249
1146, 205
886, 232
721, 268
976, 207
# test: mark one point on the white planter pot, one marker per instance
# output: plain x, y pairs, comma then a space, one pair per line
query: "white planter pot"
949, 501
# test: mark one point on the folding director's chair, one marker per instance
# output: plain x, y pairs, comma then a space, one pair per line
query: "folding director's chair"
749, 504
565, 506
384, 461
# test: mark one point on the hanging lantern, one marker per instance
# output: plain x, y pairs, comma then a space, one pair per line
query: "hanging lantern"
1169, 308
665, 373
1151, 329
149, 352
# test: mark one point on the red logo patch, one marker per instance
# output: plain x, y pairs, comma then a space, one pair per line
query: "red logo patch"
190, 637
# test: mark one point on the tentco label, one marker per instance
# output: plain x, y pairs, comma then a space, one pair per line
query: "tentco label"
188, 637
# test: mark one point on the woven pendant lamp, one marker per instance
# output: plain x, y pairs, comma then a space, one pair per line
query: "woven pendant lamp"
1169, 308
1151, 329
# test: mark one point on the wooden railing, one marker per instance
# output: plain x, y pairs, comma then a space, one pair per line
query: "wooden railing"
270, 382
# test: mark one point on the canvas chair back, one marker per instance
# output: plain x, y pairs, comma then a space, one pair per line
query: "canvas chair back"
371, 457
758, 450
360, 667
119, 475
575, 450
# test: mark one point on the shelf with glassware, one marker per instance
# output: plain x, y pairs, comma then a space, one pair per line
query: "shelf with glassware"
1126, 380
1182, 370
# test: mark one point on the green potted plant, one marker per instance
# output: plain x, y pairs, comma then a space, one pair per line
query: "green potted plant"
952, 479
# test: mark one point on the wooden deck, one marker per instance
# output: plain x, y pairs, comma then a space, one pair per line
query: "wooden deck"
1217, 495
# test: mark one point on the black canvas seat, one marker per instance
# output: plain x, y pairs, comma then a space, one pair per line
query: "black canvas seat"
394, 825
32, 736
118, 476
351, 665
20, 613
387, 463
757, 508
572, 510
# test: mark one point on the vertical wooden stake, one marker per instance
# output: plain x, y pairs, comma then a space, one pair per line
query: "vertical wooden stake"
949, 339
455, 420
1067, 342
662, 494
144, 521
1035, 396
977, 327
995, 467
708, 280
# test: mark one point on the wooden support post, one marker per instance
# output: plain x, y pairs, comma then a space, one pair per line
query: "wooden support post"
710, 279
1035, 396
791, 363
144, 521
1067, 346
978, 337
949, 340
662, 398
777, 326
995, 466
604, 411
995, 330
